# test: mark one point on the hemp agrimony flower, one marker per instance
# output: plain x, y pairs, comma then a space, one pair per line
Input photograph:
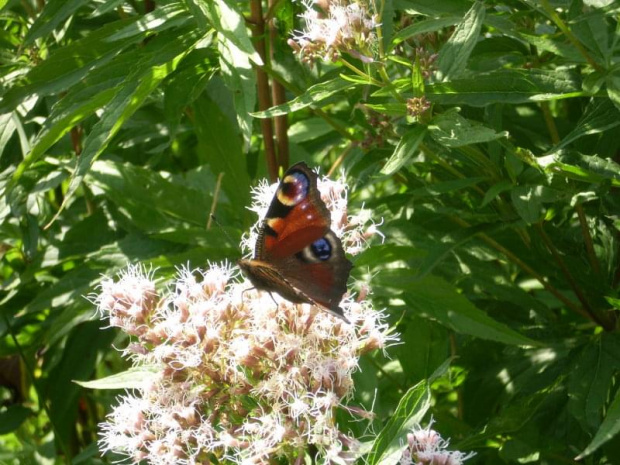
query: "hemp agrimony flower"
425, 446
237, 378
334, 27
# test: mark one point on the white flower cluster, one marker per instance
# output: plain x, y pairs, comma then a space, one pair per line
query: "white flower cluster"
425, 446
237, 378
334, 27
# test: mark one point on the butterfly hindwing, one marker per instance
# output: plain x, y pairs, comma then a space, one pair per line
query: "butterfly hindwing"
297, 255
320, 271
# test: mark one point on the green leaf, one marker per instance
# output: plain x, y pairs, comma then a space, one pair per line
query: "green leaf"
7, 128
69, 65
609, 428
451, 241
105, 7
587, 168
140, 83
599, 116
226, 19
52, 14
507, 86
390, 108
162, 18
495, 190
422, 27
220, 146
150, 201
453, 56
308, 129
134, 378
452, 130
12, 417
312, 96
557, 47
405, 150
589, 384
241, 80
613, 88
77, 361
435, 298
186, 84
433, 348
62, 121
435, 8
529, 200
388, 446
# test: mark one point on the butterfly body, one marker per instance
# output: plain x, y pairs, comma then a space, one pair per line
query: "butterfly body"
297, 255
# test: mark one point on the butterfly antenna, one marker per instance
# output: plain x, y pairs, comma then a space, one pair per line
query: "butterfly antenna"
216, 194
213, 219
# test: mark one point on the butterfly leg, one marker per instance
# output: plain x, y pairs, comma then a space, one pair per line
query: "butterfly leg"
244, 291
274, 300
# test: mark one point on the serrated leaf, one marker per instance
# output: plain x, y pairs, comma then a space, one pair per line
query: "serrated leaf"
405, 149
226, 19
454, 54
390, 108
388, 446
7, 128
240, 78
609, 428
452, 130
587, 168
507, 86
453, 240
435, 298
600, 115
53, 13
613, 88
134, 378
162, 18
312, 96
495, 190
422, 27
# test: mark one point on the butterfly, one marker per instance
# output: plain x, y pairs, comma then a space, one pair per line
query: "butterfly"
297, 255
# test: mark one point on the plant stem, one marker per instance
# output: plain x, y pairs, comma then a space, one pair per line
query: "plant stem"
361, 73
550, 122
279, 97
571, 281
567, 32
587, 239
340, 158
264, 94
525, 267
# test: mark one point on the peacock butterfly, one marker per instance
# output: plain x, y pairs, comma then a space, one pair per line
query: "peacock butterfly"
297, 255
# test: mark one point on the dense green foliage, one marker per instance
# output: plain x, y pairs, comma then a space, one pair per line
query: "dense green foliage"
498, 195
